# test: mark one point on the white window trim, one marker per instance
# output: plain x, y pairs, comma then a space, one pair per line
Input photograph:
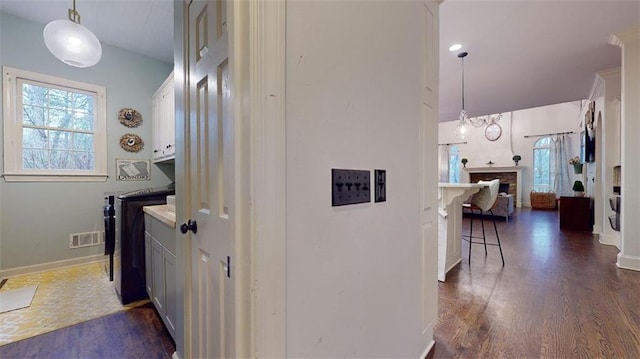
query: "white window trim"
13, 171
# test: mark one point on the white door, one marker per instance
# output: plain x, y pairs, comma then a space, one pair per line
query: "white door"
210, 156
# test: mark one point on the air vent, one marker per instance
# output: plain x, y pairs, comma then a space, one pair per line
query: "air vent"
87, 239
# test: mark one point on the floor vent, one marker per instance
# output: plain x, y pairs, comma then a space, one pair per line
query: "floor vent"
78, 240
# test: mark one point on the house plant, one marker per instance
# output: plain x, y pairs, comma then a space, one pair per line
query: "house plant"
578, 189
464, 162
577, 164
516, 159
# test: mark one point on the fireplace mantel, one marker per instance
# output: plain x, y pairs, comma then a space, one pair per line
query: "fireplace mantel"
499, 169
495, 169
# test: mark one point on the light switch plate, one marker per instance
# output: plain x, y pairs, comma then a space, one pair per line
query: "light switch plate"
350, 187
380, 181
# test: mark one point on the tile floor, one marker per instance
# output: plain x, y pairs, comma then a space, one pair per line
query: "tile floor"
64, 297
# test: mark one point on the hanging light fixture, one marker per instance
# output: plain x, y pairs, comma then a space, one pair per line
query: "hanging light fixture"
72, 43
462, 128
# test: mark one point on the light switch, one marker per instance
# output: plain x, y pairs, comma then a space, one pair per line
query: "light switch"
381, 185
350, 187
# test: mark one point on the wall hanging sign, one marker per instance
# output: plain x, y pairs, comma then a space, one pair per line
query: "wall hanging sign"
130, 117
133, 170
131, 142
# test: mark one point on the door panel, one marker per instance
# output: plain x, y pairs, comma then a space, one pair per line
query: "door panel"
211, 155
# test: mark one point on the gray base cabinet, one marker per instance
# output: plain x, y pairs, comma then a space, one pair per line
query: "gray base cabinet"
160, 246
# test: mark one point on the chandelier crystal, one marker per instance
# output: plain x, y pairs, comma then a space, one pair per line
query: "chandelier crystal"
464, 120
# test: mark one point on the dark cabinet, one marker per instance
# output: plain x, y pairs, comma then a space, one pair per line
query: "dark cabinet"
576, 213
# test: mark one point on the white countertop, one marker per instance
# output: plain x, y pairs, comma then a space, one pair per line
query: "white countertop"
162, 213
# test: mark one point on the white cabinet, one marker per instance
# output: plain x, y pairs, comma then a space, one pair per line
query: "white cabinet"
160, 246
163, 120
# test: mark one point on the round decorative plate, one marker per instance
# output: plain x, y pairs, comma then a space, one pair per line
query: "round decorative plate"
130, 117
493, 131
131, 142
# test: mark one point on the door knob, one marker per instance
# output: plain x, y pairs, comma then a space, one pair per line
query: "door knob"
189, 226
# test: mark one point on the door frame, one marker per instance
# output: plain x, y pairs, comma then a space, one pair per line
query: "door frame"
268, 182
260, 176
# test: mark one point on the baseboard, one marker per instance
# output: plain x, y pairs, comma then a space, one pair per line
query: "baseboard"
12, 272
430, 346
628, 262
610, 240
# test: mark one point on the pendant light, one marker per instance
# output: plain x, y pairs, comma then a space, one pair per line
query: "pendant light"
461, 129
465, 121
72, 43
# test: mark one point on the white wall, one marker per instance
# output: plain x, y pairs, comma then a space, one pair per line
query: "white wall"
37, 218
563, 117
629, 41
354, 273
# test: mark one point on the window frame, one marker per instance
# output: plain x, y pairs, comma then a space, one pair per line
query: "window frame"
13, 129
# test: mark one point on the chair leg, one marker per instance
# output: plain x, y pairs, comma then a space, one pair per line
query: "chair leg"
484, 236
497, 237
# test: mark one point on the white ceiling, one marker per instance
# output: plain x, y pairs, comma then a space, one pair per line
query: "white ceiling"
142, 26
525, 54
522, 54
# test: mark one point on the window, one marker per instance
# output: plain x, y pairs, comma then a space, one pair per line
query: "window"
454, 164
543, 169
54, 129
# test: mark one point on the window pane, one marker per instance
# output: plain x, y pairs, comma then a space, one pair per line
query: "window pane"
35, 159
59, 119
61, 160
82, 121
60, 98
34, 138
82, 102
33, 115
83, 141
60, 140
83, 160
34, 95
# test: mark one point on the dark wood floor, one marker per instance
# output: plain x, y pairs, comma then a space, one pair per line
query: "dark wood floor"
559, 295
134, 333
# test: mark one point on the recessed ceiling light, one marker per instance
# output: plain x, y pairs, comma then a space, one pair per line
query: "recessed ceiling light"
455, 47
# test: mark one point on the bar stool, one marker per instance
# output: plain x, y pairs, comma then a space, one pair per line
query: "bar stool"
483, 201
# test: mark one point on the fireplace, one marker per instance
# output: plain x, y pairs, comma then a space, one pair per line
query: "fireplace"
511, 175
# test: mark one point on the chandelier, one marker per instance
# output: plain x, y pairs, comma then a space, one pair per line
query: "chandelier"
465, 120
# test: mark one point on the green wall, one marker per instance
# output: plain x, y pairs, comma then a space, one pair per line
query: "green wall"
37, 218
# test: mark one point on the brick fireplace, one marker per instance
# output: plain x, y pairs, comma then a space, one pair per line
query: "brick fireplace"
511, 175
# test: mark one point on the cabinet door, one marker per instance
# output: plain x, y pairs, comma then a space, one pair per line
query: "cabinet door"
168, 110
147, 264
157, 262
170, 290
163, 121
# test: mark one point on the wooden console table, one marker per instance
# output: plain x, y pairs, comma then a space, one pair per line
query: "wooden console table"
576, 213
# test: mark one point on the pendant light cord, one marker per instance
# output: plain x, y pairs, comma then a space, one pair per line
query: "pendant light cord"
74, 16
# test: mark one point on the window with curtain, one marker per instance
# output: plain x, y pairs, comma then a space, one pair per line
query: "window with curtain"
454, 164
543, 171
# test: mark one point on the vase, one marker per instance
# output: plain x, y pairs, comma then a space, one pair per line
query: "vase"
577, 169
578, 194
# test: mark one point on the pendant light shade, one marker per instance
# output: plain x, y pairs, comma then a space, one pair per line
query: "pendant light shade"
72, 43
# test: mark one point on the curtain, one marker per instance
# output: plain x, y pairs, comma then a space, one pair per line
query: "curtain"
560, 155
443, 163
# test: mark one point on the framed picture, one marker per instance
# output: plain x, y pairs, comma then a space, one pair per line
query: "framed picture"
133, 170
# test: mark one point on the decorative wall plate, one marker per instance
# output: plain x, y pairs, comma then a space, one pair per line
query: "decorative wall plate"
131, 142
130, 117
